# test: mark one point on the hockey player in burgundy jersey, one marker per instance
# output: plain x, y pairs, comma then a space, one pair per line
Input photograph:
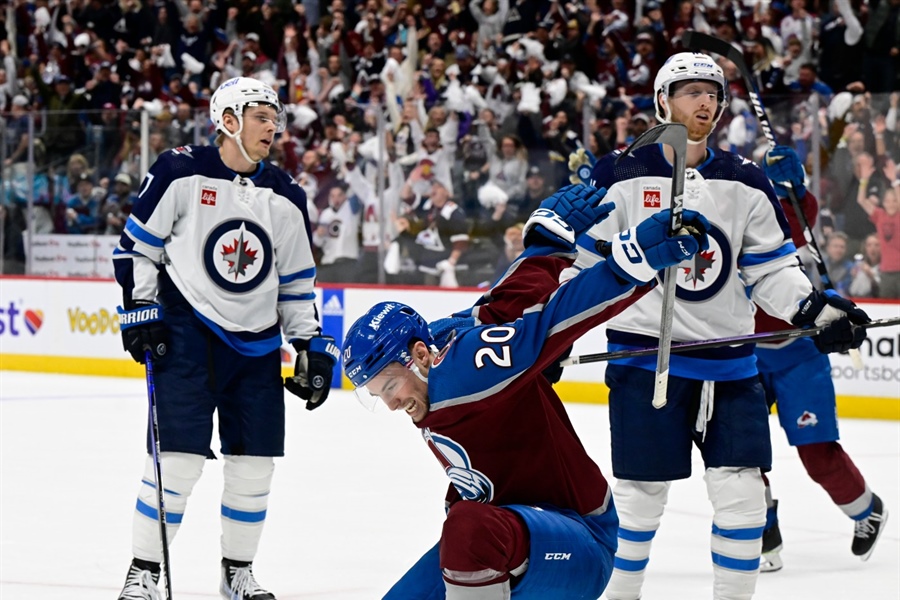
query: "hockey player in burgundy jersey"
798, 377
529, 514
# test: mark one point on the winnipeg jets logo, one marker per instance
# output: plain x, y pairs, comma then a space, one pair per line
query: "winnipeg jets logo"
238, 255
470, 483
696, 272
704, 275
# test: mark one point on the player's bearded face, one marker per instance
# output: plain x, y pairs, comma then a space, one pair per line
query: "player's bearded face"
695, 106
400, 389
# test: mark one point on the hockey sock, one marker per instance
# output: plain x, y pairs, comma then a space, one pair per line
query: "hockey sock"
482, 545
640, 505
739, 515
829, 466
180, 472
244, 503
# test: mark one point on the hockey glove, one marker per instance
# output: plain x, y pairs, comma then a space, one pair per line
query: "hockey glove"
142, 329
581, 165
313, 369
838, 314
566, 215
638, 253
782, 166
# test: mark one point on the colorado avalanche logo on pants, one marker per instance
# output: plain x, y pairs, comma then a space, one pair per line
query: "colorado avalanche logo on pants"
470, 483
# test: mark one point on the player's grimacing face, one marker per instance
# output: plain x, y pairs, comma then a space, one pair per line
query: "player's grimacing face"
400, 389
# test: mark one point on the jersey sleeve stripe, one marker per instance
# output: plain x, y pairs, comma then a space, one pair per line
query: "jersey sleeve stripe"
296, 297
309, 273
750, 260
142, 235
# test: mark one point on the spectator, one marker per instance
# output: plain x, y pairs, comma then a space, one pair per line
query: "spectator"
840, 45
839, 265
866, 275
513, 246
801, 25
887, 223
16, 132
882, 46
83, 209
64, 133
337, 234
509, 167
118, 205
434, 231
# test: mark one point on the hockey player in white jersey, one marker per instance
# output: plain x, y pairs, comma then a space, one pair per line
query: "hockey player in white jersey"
218, 243
715, 400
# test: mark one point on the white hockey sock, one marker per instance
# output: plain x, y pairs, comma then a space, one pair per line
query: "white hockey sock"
495, 591
739, 515
244, 502
859, 508
179, 473
640, 505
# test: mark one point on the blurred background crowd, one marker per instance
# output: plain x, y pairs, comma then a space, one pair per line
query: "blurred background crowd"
425, 132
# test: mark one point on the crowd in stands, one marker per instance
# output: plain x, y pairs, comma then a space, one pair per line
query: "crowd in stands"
425, 132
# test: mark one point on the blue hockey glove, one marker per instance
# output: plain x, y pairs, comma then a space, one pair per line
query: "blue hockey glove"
313, 369
143, 329
638, 253
565, 215
840, 315
581, 165
783, 168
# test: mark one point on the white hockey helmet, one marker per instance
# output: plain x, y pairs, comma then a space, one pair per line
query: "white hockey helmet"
688, 66
237, 94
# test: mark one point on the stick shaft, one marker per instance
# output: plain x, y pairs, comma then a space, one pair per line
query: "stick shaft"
157, 464
754, 338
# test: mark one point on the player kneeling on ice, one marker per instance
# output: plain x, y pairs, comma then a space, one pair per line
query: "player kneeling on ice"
529, 515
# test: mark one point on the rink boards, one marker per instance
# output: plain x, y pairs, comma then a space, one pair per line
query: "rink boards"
70, 326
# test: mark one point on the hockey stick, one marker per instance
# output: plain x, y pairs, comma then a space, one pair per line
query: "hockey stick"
697, 41
675, 135
753, 338
157, 464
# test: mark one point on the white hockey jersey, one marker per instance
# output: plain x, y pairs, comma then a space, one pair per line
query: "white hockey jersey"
751, 255
236, 247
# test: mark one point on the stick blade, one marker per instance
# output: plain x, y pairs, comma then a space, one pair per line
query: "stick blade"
672, 134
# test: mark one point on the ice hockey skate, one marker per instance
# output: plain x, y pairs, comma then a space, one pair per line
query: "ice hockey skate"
868, 530
770, 560
140, 583
238, 582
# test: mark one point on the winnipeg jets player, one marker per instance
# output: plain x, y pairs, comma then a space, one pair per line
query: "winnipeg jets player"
715, 400
218, 243
529, 513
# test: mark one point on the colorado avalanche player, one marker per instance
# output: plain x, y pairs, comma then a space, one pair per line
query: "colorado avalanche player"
715, 399
529, 514
217, 245
798, 377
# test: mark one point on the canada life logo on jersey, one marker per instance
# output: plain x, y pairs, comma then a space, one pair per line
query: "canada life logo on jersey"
208, 196
238, 255
470, 483
652, 197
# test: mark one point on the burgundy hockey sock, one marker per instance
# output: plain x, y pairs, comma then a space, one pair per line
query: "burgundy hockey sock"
481, 544
829, 466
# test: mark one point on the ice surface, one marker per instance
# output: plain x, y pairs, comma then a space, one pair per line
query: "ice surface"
356, 501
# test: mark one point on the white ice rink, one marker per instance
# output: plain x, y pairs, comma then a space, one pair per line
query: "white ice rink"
356, 500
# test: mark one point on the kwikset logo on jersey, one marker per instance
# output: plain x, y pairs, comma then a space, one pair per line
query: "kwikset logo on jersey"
208, 196
652, 198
